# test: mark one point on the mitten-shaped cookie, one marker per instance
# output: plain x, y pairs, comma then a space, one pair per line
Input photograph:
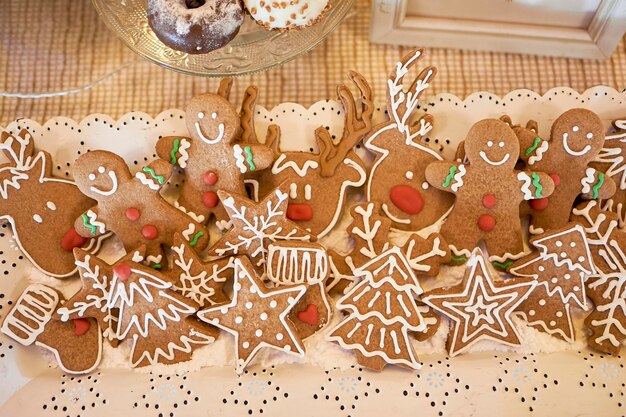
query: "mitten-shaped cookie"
576, 139
40, 208
131, 206
488, 193
213, 157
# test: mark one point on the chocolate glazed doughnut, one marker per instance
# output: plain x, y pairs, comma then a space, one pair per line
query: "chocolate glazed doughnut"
195, 26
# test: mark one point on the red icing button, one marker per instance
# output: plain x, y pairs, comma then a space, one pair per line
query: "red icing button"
299, 212
407, 199
309, 316
486, 222
81, 326
150, 232
72, 240
122, 271
210, 199
133, 214
209, 178
539, 204
489, 200
556, 179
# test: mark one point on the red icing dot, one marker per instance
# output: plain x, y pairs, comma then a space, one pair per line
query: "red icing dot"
299, 212
556, 179
210, 199
489, 200
133, 214
310, 315
122, 271
150, 232
209, 178
407, 199
81, 326
72, 240
486, 222
539, 204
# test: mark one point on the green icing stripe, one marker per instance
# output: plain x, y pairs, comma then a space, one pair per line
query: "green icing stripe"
450, 176
249, 160
535, 145
160, 179
598, 185
173, 161
458, 258
537, 184
157, 266
197, 236
502, 265
87, 224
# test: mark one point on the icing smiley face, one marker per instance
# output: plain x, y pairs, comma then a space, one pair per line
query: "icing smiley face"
492, 143
102, 182
212, 119
579, 135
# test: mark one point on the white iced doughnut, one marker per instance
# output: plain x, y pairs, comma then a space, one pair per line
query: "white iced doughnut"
286, 14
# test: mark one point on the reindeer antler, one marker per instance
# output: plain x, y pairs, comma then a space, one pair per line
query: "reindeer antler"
354, 129
18, 149
224, 88
246, 115
402, 103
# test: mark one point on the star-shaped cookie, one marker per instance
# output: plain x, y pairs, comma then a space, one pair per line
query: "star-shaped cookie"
480, 307
202, 282
257, 316
255, 225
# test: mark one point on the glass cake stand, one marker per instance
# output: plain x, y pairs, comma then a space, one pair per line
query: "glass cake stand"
254, 49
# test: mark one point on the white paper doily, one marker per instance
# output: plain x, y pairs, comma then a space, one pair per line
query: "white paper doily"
487, 383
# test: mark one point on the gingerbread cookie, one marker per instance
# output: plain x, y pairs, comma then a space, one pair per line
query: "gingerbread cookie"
294, 263
611, 161
607, 287
488, 193
381, 311
202, 282
560, 266
480, 307
131, 206
397, 178
257, 316
76, 345
576, 138
256, 225
318, 182
41, 208
431, 321
213, 157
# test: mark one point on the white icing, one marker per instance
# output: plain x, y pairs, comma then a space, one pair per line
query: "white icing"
197, 217
37, 218
184, 155
572, 152
297, 264
293, 191
587, 181
280, 165
189, 231
240, 160
458, 178
409, 175
307, 192
286, 15
111, 190
522, 176
93, 219
51, 205
210, 141
32, 311
539, 152
145, 180
394, 218
485, 158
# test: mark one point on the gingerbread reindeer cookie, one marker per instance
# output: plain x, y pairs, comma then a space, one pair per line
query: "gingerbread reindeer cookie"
131, 206
318, 182
213, 157
576, 138
397, 177
41, 209
488, 193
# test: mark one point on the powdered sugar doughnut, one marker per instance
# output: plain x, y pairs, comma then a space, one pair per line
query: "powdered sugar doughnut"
282, 15
195, 26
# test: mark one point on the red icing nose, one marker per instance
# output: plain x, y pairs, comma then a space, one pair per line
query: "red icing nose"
299, 212
407, 199
72, 240
310, 315
81, 326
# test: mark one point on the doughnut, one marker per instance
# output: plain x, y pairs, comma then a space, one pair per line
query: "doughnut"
195, 26
286, 14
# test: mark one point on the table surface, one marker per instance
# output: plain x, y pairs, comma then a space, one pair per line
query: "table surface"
58, 58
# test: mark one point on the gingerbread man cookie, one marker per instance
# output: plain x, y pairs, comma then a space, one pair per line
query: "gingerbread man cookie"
576, 138
397, 177
131, 206
213, 157
41, 208
488, 193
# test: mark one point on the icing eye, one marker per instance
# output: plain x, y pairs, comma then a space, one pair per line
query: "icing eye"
575, 129
589, 135
425, 185
101, 170
409, 175
490, 144
92, 177
213, 115
501, 144
200, 115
